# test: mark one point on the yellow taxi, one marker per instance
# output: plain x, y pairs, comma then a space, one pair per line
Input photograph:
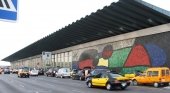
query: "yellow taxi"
23, 72
108, 80
130, 75
157, 76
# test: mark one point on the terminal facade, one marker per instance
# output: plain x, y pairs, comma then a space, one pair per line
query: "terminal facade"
126, 36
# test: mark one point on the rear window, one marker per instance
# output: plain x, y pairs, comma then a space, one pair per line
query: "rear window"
66, 70
167, 72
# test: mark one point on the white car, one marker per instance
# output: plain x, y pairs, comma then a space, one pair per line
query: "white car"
63, 72
33, 72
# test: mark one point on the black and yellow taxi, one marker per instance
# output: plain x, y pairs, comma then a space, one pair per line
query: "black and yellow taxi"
108, 80
23, 72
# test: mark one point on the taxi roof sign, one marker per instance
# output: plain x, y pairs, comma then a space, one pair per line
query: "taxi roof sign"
8, 10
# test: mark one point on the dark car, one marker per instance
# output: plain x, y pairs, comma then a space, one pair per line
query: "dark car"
6, 71
51, 72
78, 75
108, 80
40, 71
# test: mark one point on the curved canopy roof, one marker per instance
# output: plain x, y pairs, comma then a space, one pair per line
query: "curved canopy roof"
121, 17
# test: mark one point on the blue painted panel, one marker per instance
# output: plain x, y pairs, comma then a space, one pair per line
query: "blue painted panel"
157, 54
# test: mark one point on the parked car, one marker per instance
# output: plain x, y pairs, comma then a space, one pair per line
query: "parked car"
1, 70
78, 75
23, 72
73, 71
156, 75
6, 71
41, 71
51, 72
63, 72
33, 72
108, 80
14, 71
132, 75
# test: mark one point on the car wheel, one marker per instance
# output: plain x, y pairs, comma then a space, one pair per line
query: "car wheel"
89, 84
156, 85
80, 78
135, 83
73, 78
108, 86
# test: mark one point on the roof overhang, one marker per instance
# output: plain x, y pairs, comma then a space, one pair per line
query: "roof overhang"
122, 17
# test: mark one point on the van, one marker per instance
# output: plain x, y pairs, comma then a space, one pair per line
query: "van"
63, 72
157, 76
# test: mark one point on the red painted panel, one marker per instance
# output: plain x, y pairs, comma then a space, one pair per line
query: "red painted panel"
138, 57
85, 63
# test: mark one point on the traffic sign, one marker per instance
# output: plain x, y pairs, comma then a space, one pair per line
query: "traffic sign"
8, 10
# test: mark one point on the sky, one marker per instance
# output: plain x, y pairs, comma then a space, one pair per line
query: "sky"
39, 18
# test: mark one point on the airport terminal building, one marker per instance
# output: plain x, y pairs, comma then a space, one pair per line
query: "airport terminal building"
128, 35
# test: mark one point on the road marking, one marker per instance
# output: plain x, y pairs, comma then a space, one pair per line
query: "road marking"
77, 91
21, 85
167, 87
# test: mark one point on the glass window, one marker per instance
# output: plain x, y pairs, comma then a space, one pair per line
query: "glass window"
149, 73
167, 72
58, 57
115, 75
104, 76
154, 73
66, 57
62, 57
163, 72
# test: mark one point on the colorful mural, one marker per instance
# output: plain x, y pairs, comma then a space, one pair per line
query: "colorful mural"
119, 57
128, 56
88, 59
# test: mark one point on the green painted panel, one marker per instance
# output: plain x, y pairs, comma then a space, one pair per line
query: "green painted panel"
129, 70
118, 57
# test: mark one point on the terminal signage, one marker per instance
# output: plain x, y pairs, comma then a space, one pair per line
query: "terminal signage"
8, 10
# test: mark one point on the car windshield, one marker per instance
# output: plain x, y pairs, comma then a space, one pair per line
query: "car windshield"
66, 70
97, 71
114, 75
25, 69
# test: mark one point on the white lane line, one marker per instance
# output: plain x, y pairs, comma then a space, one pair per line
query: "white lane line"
21, 85
77, 91
167, 87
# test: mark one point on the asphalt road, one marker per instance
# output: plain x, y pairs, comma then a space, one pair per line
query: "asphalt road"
42, 84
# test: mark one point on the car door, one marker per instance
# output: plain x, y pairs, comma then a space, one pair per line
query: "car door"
149, 77
103, 79
96, 80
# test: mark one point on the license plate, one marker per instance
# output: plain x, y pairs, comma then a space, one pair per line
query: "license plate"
123, 84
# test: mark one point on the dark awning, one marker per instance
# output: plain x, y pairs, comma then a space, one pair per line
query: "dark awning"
122, 17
